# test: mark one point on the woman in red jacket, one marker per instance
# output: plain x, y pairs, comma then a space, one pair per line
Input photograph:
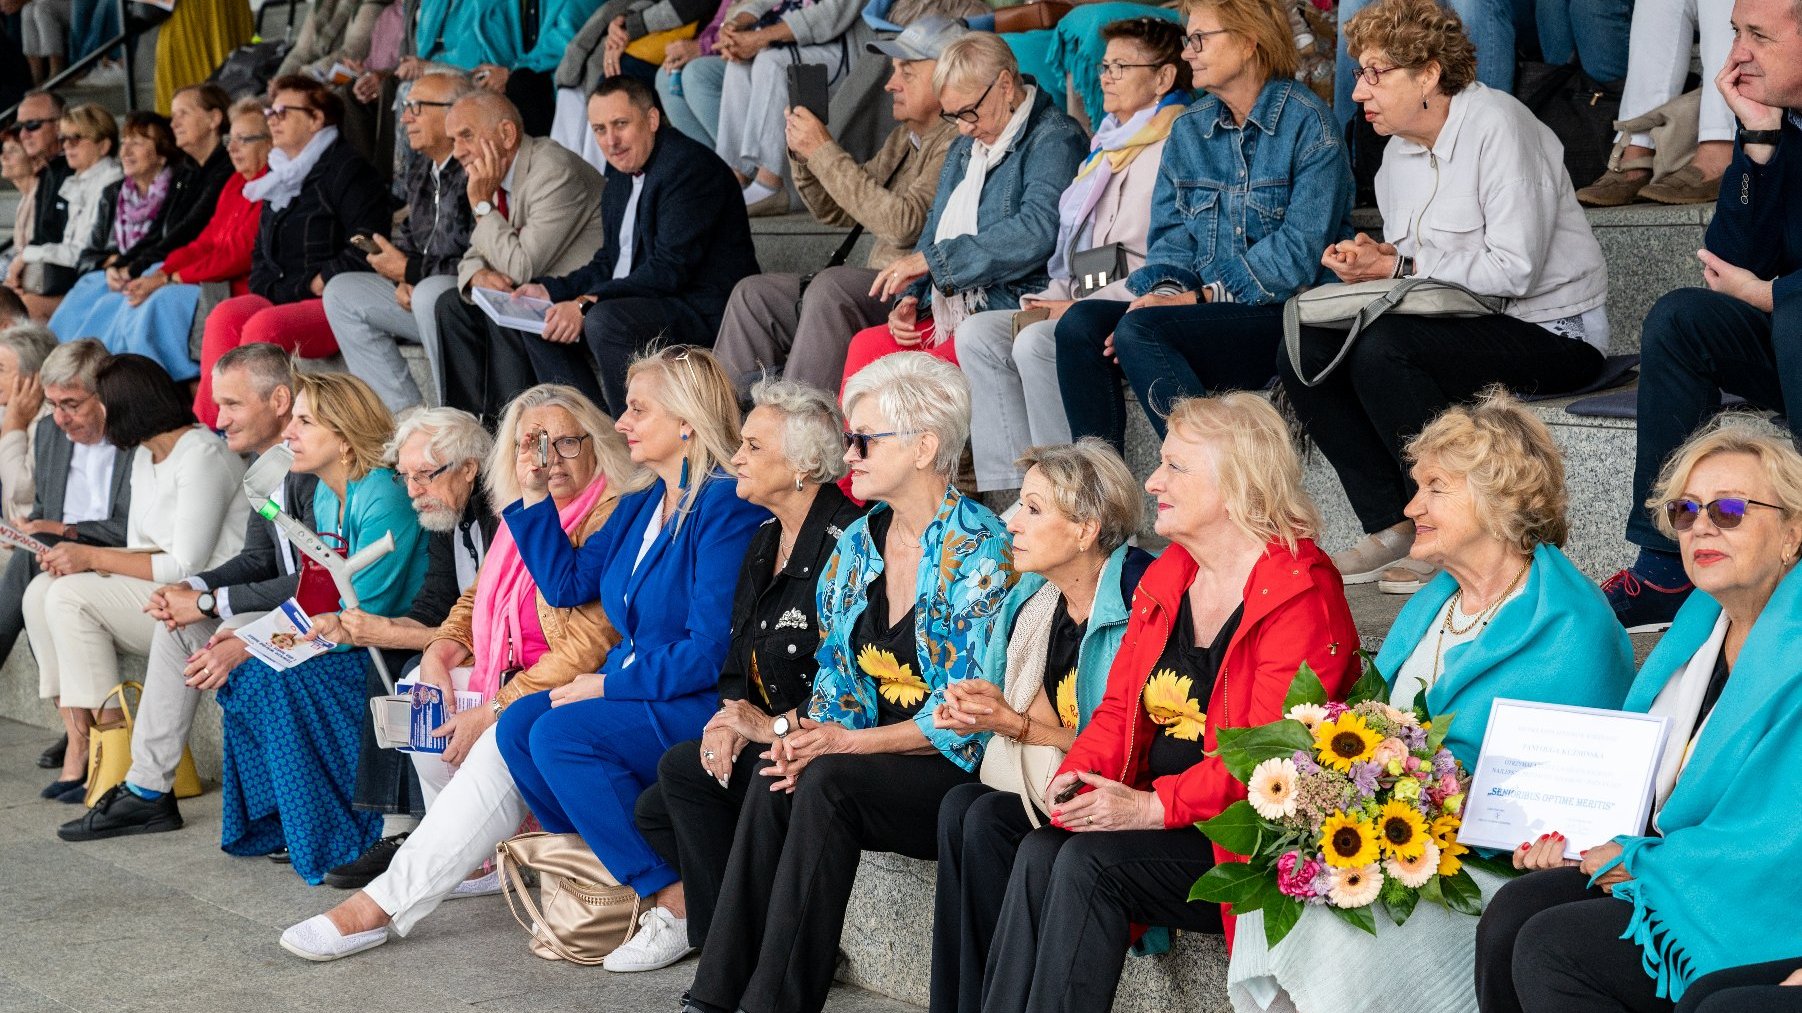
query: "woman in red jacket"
1220, 623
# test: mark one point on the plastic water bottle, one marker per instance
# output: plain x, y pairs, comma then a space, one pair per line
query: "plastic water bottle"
675, 82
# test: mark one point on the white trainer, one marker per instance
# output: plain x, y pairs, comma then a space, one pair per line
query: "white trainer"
318, 939
479, 886
661, 940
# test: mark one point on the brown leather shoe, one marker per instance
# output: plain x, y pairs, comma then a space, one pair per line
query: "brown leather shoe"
1685, 186
1614, 188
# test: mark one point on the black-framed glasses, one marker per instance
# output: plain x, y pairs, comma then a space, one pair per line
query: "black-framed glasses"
33, 125
1114, 70
860, 442
566, 447
1199, 40
414, 106
1373, 74
1725, 513
240, 140
971, 113
408, 478
69, 406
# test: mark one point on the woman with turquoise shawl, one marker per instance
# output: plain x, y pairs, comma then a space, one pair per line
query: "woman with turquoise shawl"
1711, 883
1043, 670
1511, 617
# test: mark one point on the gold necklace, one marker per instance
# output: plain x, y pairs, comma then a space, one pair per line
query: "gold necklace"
1481, 620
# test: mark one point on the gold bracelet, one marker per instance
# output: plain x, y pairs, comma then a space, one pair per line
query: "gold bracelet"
1025, 727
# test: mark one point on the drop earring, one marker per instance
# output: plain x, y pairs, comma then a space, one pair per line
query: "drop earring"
682, 483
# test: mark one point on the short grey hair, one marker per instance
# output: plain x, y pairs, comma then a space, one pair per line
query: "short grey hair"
459, 83
918, 393
32, 343
269, 366
455, 436
812, 427
74, 364
976, 59
1089, 482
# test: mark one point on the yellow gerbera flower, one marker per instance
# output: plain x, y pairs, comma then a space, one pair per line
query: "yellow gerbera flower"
1348, 841
1168, 702
1067, 711
1445, 830
895, 680
1449, 862
1401, 830
1345, 741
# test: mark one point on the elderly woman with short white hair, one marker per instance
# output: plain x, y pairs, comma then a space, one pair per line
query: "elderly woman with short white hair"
864, 766
23, 348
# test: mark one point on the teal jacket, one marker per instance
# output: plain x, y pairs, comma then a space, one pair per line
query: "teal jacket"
464, 33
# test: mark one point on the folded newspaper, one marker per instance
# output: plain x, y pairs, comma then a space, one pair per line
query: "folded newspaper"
12, 536
284, 638
405, 720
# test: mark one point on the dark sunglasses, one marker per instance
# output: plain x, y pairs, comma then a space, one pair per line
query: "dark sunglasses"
1725, 513
31, 125
282, 109
860, 442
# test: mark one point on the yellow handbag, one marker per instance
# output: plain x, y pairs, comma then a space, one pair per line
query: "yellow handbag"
649, 48
109, 752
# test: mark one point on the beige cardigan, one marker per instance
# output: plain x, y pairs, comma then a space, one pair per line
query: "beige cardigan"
1122, 215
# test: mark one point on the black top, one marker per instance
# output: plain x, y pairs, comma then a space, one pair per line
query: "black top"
342, 197
1717, 681
887, 654
50, 214
1060, 664
1177, 694
192, 200
440, 589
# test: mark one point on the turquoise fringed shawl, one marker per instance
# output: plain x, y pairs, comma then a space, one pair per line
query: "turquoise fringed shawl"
1558, 642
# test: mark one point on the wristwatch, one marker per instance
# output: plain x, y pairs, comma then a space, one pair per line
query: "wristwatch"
782, 726
482, 209
494, 707
1759, 137
207, 604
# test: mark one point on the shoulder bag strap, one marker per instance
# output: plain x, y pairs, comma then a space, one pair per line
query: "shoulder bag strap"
1371, 311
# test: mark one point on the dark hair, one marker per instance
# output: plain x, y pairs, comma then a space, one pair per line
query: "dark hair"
212, 99
12, 308
140, 400
1159, 37
154, 126
633, 88
324, 100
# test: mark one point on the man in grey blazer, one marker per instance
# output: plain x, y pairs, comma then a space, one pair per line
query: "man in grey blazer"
253, 386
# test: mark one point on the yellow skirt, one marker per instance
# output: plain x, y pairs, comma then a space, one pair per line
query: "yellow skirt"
195, 41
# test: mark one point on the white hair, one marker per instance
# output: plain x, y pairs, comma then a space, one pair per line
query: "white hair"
918, 393
455, 436
812, 427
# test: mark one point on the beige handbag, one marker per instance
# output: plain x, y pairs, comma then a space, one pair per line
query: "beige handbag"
1007, 765
582, 914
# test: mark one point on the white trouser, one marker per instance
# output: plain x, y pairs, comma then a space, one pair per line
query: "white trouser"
78, 625
477, 810
433, 772
1014, 393
753, 131
569, 127
1658, 61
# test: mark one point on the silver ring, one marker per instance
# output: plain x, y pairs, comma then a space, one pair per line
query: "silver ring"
1088, 821
707, 754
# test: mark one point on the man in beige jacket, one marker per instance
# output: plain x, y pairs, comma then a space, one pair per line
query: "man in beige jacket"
807, 321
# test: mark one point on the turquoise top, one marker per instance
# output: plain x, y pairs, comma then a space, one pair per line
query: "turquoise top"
377, 505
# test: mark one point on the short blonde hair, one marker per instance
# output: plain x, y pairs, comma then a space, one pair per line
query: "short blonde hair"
1514, 469
1733, 433
1259, 472
812, 427
1414, 33
918, 393
699, 391
612, 460
1263, 22
974, 60
344, 404
1089, 482
94, 121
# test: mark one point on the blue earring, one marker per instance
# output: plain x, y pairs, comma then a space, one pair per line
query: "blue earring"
683, 484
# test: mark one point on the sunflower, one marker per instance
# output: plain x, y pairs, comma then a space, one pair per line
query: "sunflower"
1401, 830
1414, 872
1068, 714
1445, 830
1449, 862
1355, 887
895, 680
1344, 742
1348, 841
1168, 703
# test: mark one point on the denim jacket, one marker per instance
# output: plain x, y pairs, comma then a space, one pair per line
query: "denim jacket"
1252, 207
1017, 215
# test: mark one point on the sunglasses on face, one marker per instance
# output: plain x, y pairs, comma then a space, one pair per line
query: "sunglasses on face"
240, 140
70, 140
970, 114
33, 125
1725, 513
859, 443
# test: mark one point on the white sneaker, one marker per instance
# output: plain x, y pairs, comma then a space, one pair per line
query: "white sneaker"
318, 939
106, 75
661, 940
479, 886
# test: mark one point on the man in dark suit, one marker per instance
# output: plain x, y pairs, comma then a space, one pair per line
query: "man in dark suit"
253, 385
676, 242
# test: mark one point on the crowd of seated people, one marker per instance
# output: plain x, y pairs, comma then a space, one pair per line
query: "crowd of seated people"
650, 533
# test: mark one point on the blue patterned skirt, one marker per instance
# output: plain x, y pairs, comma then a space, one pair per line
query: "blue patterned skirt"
290, 775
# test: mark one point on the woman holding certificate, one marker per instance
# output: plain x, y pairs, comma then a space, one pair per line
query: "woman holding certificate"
1508, 616
1708, 886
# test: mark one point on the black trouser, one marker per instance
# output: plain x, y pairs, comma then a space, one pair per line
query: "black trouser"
688, 819
980, 829
1695, 345
774, 942
1401, 373
1755, 987
618, 329
1550, 943
386, 780
486, 366
1071, 901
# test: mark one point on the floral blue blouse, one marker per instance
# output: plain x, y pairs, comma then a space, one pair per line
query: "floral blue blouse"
957, 601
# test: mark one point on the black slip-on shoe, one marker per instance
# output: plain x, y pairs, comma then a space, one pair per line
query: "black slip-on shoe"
357, 874
119, 812
52, 757
279, 856
58, 788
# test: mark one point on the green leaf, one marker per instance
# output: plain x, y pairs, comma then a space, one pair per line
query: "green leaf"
1495, 865
1442, 724
1371, 685
1398, 900
1307, 688
1280, 916
1432, 892
1356, 917
1242, 749
1238, 829
1234, 883
1462, 894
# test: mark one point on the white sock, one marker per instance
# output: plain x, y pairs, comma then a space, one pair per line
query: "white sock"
757, 190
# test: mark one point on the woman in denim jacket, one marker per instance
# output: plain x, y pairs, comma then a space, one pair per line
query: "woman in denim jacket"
865, 767
1254, 183
994, 222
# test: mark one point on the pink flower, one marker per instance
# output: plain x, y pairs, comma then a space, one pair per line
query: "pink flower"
1410, 763
1389, 751
1333, 710
1448, 784
1295, 875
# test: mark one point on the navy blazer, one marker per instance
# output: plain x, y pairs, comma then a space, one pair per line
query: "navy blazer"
673, 611
691, 240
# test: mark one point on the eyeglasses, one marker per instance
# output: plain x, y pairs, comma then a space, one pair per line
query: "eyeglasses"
567, 447
1198, 41
969, 114
32, 125
409, 478
414, 106
240, 140
1114, 70
860, 442
1725, 513
281, 109
1373, 74
69, 406
69, 140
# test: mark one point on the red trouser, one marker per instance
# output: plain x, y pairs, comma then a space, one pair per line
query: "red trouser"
873, 343
299, 327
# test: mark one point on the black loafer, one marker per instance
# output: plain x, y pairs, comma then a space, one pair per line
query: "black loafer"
52, 757
279, 856
58, 789
119, 813
357, 874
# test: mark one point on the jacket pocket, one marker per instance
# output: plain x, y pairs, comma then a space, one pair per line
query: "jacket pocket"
1454, 224
1199, 206
1270, 203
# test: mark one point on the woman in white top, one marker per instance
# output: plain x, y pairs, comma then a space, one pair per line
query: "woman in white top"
187, 514
90, 141
1474, 192
23, 349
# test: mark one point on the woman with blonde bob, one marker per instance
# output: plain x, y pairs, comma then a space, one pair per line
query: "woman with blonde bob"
1509, 616
1242, 588
504, 641
1636, 922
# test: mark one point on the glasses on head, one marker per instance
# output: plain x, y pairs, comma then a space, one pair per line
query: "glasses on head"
70, 140
70, 405
1725, 513
860, 442
414, 106
1114, 70
240, 140
30, 126
566, 447
281, 109
676, 353
971, 113
1373, 74
408, 478
1198, 41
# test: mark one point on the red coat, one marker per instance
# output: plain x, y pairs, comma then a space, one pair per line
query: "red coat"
222, 250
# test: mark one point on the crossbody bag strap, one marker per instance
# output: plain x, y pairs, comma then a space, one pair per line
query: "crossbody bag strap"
1366, 316
513, 884
840, 255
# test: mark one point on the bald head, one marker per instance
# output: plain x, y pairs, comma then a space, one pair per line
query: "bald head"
484, 117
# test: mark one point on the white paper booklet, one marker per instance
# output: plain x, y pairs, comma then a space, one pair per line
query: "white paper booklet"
521, 313
284, 637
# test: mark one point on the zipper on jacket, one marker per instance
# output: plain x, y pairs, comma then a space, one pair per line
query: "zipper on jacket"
1432, 159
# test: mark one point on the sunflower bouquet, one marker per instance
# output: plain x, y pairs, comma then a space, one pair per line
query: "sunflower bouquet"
1351, 806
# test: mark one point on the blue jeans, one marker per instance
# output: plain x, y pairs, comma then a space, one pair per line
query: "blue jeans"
695, 112
1489, 23
1593, 32
91, 24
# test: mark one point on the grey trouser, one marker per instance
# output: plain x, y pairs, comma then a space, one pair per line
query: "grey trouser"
763, 329
166, 708
369, 326
1014, 396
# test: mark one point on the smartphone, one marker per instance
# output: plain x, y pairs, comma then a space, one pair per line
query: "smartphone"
807, 89
1069, 792
366, 244
544, 450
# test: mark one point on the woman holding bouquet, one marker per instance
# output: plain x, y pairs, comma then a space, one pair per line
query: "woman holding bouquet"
1220, 624
1707, 886
1510, 616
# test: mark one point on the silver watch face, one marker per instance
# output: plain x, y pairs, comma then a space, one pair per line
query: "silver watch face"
780, 726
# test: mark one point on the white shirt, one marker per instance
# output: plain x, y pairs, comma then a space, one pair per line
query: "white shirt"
187, 509
1681, 701
1416, 674
88, 496
466, 552
628, 225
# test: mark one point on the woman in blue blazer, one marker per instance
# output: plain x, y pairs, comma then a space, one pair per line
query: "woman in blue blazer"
664, 568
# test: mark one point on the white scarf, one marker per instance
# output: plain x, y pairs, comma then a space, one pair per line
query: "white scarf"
281, 184
960, 219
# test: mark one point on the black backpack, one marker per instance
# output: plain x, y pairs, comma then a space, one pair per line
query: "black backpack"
249, 69
1578, 108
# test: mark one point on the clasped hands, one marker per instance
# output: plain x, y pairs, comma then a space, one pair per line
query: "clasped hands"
1548, 853
810, 739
